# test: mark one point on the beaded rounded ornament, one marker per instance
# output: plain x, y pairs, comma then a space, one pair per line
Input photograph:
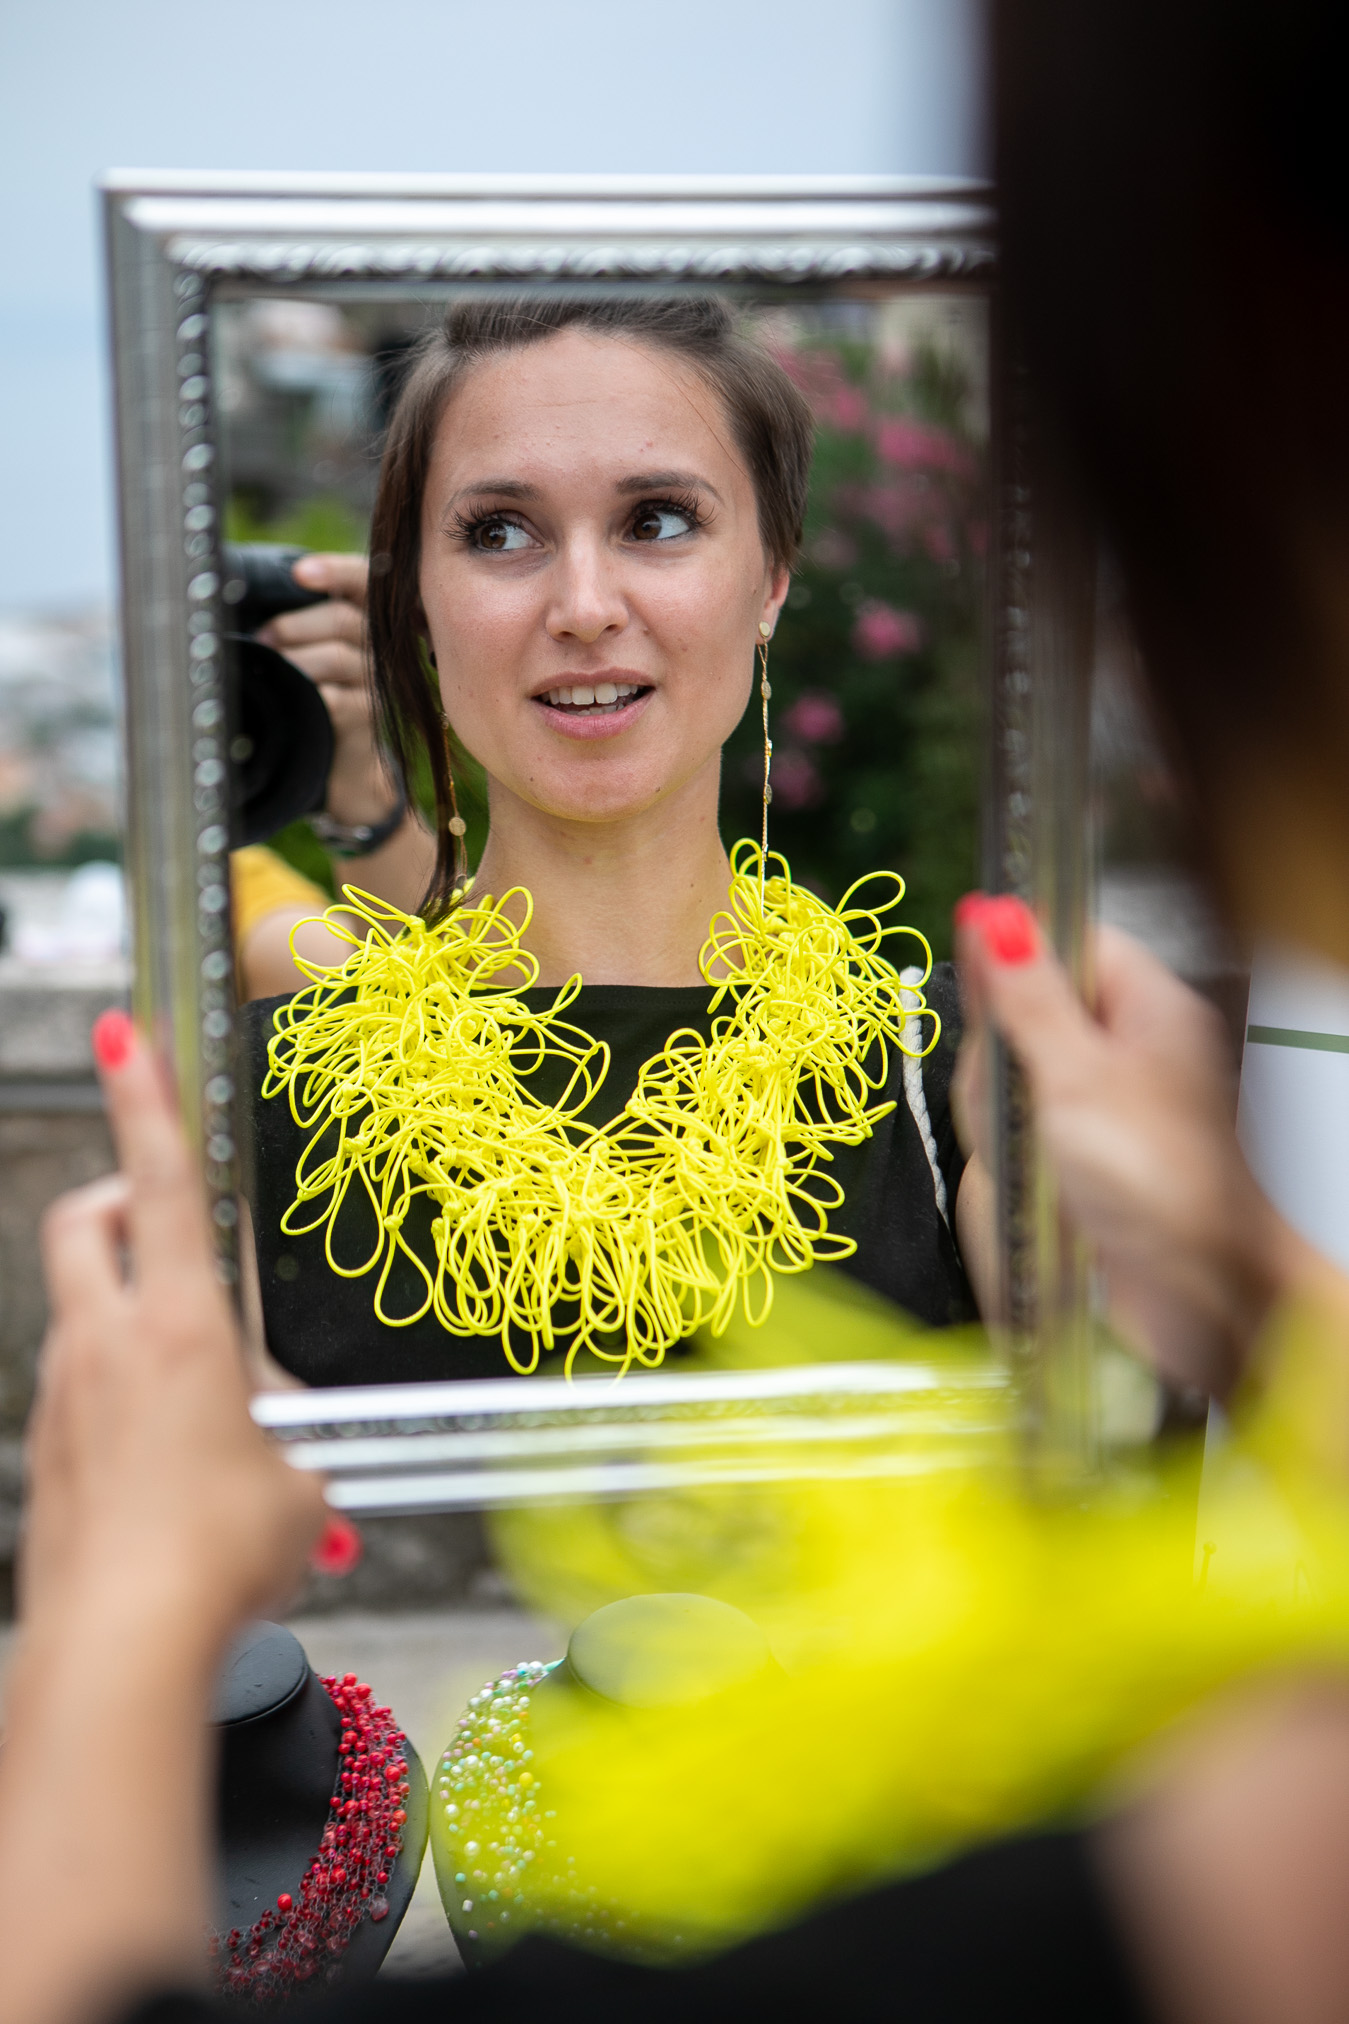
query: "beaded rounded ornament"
348, 1878
409, 1069
494, 1835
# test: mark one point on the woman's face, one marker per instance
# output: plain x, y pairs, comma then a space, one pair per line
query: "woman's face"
592, 574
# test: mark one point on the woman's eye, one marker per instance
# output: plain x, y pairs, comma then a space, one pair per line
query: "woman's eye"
661, 523
499, 537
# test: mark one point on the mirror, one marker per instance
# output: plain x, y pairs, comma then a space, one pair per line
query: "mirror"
263, 331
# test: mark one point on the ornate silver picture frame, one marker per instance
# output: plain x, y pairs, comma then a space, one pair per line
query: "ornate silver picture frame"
180, 245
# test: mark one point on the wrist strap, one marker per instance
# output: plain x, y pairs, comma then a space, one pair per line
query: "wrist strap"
358, 839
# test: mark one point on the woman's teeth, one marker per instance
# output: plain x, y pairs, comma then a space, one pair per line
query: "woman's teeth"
596, 699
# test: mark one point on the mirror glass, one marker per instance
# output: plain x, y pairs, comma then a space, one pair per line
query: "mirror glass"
877, 669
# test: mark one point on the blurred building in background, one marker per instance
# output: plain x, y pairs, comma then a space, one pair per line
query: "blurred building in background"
60, 801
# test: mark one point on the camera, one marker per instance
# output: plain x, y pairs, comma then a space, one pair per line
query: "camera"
281, 736
259, 585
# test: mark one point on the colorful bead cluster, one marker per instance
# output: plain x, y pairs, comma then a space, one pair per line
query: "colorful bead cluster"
489, 1823
498, 1863
348, 1878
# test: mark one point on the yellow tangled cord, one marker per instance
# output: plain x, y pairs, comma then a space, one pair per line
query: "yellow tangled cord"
638, 1230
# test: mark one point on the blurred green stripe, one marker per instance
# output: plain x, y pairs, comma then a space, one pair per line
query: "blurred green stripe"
1293, 1036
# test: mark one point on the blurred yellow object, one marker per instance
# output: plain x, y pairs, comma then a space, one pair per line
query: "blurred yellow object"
959, 1658
262, 883
569, 1559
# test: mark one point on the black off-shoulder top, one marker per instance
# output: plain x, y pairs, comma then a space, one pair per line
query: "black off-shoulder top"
899, 1199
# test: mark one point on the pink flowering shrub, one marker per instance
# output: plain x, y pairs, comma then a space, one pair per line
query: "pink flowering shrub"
918, 446
796, 780
881, 633
940, 544
833, 550
848, 410
815, 718
873, 708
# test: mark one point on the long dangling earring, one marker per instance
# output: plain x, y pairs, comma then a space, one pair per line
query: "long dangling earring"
457, 826
765, 691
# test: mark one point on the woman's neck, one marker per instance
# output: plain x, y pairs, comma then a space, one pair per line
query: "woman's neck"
619, 902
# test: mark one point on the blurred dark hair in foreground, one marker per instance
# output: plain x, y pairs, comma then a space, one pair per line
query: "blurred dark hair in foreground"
1176, 201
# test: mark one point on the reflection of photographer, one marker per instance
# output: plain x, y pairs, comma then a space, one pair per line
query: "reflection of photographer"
381, 844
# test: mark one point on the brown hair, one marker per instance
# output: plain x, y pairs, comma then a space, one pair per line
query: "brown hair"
1175, 242
769, 420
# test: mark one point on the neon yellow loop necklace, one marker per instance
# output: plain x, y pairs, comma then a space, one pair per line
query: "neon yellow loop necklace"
409, 1069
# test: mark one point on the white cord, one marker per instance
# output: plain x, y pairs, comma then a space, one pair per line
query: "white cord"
913, 1085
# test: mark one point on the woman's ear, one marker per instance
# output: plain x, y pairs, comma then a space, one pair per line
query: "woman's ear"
779, 583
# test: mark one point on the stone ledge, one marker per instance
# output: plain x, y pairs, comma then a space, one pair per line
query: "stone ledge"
44, 1149
30, 1096
46, 1014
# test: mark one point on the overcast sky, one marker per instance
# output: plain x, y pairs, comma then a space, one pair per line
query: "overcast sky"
701, 85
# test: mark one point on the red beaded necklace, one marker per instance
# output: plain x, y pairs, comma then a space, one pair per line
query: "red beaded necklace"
348, 1877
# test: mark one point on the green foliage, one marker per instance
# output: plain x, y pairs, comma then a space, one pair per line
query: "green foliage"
299, 846
20, 852
874, 667
326, 523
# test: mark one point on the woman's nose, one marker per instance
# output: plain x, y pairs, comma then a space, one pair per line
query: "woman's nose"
587, 600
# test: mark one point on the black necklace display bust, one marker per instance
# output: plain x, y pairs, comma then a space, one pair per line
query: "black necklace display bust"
280, 1736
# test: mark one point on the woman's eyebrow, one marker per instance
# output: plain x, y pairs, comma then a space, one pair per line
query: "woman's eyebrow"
664, 481
627, 488
500, 488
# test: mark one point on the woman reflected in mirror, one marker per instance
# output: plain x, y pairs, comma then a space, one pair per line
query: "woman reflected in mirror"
464, 1163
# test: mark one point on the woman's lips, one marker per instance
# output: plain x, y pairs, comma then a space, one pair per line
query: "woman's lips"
600, 719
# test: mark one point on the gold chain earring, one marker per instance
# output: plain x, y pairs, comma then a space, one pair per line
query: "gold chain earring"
765, 691
456, 825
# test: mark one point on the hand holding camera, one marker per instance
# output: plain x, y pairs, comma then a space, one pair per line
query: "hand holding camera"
300, 621
327, 641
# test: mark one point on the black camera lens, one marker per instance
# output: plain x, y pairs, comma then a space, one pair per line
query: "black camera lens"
259, 585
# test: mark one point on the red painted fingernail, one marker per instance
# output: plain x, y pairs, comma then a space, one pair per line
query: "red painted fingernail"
1009, 929
970, 910
339, 1549
113, 1037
